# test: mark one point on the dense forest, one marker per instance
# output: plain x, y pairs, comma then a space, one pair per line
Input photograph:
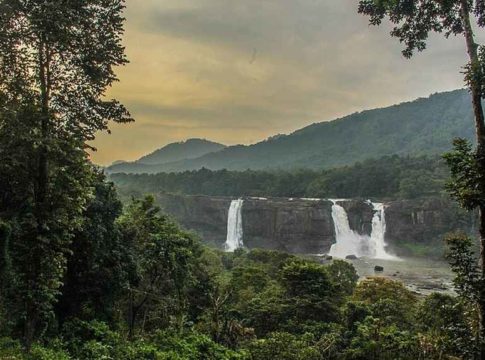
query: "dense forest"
85, 277
136, 286
390, 177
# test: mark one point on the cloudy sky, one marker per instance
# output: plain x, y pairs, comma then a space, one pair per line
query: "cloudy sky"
238, 71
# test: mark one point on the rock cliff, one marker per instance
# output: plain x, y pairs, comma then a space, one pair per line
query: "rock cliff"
415, 224
306, 226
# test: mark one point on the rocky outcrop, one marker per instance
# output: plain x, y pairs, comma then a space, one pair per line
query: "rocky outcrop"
360, 214
413, 224
205, 215
306, 226
296, 226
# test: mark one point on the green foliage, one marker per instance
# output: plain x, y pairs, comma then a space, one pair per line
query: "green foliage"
467, 179
40, 230
163, 256
464, 263
377, 340
444, 326
285, 346
10, 349
344, 276
425, 126
392, 177
388, 300
194, 347
95, 275
56, 65
39, 352
414, 20
189, 149
310, 293
82, 278
245, 305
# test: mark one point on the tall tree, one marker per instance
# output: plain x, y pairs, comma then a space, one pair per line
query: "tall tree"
413, 20
57, 59
163, 258
96, 274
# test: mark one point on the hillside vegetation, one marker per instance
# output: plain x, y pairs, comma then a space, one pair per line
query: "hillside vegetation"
190, 149
422, 127
387, 177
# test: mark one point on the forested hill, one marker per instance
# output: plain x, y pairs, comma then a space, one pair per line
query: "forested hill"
190, 149
422, 127
389, 177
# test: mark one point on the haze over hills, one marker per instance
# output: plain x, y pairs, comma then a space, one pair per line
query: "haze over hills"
184, 150
425, 126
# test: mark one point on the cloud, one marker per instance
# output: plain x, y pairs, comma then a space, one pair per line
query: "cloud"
238, 71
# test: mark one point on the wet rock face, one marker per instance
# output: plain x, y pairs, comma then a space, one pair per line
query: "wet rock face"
305, 226
296, 226
360, 215
205, 215
423, 222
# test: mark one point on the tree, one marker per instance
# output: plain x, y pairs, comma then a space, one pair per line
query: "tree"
344, 277
413, 21
96, 267
310, 292
57, 59
442, 321
285, 346
162, 258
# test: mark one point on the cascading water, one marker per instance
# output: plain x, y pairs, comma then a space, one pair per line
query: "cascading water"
377, 238
348, 242
234, 239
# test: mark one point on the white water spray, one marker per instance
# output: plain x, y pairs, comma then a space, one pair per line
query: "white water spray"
349, 242
377, 238
234, 239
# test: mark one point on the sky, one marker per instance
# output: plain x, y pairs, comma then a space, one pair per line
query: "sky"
239, 71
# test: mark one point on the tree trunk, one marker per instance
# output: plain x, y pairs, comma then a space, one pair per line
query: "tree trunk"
43, 177
481, 297
33, 314
30, 328
475, 88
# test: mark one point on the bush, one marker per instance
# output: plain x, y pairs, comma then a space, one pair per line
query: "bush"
285, 346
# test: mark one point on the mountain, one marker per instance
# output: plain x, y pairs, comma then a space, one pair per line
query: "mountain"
118, 162
180, 151
425, 126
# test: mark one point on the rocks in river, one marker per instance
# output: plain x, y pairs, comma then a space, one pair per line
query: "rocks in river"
351, 257
378, 268
328, 257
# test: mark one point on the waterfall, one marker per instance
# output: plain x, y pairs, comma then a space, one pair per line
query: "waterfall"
234, 238
349, 242
377, 238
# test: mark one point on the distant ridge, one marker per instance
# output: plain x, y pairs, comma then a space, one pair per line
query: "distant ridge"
184, 150
425, 126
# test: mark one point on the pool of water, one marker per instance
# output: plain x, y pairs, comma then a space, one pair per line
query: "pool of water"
421, 275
